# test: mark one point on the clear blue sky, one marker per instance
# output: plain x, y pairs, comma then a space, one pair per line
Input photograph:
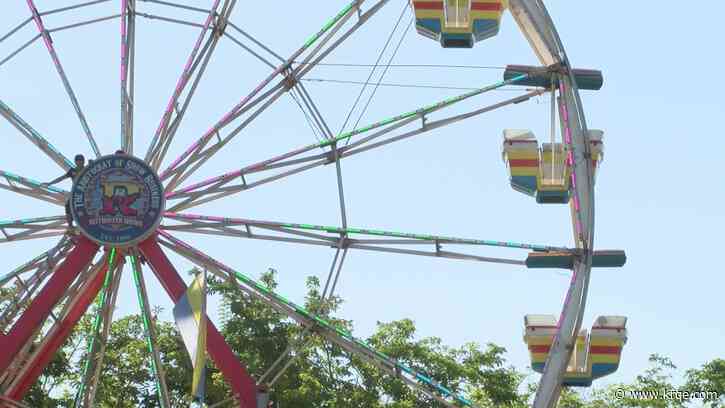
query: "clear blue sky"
658, 192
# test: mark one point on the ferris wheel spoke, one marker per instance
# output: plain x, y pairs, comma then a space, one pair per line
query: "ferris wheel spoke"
64, 78
24, 293
13, 403
347, 238
39, 309
198, 58
305, 336
236, 181
317, 324
225, 33
31, 228
34, 137
26, 289
98, 335
150, 330
236, 375
74, 309
128, 55
198, 153
46, 260
32, 188
23, 358
351, 244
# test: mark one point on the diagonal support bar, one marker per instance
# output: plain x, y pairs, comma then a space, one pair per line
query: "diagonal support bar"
64, 78
341, 337
46, 260
101, 328
32, 188
43, 304
236, 375
167, 127
227, 221
128, 55
31, 228
179, 170
55, 340
216, 187
162, 388
36, 138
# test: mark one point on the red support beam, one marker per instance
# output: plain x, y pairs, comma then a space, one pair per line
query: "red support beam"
242, 384
59, 335
34, 316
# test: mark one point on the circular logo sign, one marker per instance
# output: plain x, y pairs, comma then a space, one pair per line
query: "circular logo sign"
117, 200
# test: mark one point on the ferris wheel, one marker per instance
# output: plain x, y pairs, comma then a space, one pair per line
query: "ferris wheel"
128, 205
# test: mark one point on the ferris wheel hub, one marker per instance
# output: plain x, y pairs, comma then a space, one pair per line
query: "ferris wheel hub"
117, 200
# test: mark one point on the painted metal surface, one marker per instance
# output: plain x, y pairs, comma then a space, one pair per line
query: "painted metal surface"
236, 375
117, 200
536, 24
56, 339
42, 305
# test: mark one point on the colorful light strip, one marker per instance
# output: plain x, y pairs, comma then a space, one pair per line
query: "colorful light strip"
184, 78
26, 221
146, 324
96, 326
346, 335
347, 135
363, 231
32, 182
35, 135
227, 117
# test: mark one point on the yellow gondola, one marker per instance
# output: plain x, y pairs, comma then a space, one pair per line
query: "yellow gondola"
595, 355
458, 23
543, 172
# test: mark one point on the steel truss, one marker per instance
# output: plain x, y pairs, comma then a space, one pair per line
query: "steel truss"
57, 287
315, 323
339, 237
32, 228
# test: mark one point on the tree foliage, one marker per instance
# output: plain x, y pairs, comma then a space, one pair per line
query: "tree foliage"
320, 374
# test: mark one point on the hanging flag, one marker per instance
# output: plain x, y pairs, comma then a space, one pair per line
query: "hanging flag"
190, 317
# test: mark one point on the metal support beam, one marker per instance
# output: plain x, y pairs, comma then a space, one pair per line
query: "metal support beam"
321, 235
23, 296
169, 122
150, 329
338, 336
43, 304
105, 318
217, 187
64, 78
19, 49
34, 137
128, 60
46, 260
538, 27
31, 228
32, 188
55, 339
239, 380
195, 155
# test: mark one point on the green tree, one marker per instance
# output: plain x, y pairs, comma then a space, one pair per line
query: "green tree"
320, 374
710, 378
